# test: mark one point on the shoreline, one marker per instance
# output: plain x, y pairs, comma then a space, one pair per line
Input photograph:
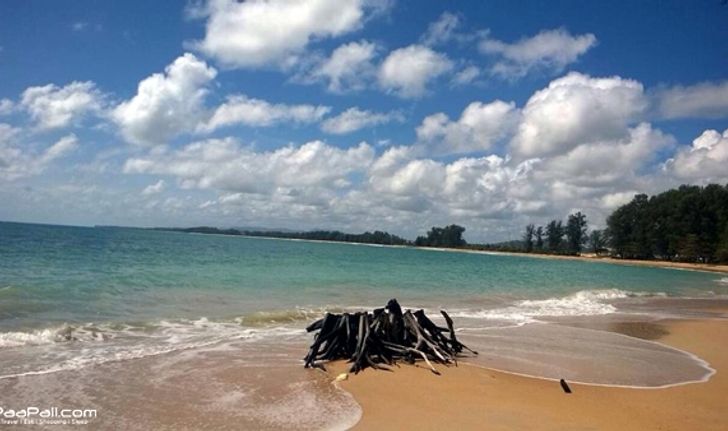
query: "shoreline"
473, 397
685, 266
270, 392
702, 267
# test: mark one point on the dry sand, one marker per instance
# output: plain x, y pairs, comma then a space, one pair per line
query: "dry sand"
590, 257
472, 398
650, 263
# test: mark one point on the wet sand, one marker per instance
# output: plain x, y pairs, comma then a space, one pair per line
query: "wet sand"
468, 397
239, 385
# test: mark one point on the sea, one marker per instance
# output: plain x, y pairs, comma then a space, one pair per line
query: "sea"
135, 323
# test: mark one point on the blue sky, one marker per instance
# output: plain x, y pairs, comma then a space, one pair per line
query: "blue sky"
356, 114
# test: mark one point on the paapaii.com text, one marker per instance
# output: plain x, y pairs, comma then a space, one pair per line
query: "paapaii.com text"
47, 413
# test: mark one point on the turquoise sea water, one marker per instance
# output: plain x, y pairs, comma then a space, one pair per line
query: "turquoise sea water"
137, 323
143, 292
53, 274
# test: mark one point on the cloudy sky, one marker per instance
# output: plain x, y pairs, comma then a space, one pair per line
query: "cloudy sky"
356, 114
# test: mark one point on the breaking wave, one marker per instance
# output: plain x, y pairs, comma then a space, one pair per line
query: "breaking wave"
285, 316
582, 303
69, 347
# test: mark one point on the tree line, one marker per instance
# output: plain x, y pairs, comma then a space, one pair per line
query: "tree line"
376, 237
558, 237
448, 236
688, 224
555, 237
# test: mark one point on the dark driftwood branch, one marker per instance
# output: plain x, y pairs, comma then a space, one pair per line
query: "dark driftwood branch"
382, 337
565, 386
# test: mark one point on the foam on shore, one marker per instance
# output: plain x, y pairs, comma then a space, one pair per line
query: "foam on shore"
586, 356
582, 303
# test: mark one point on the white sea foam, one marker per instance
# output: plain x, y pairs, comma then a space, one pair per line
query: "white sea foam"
73, 347
15, 339
69, 347
165, 329
723, 280
582, 303
64, 333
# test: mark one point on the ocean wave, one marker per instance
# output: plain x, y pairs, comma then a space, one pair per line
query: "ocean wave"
581, 303
69, 347
723, 280
264, 322
285, 316
61, 334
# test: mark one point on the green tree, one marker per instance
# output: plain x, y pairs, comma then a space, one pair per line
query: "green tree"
597, 241
721, 252
528, 238
448, 236
539, 238
628, 229
554, 235
575, 232
688, 223
689, 248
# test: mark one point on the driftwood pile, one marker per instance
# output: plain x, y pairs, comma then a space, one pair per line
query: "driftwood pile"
382, 337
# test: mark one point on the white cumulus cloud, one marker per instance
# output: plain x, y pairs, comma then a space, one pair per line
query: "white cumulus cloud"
608, 162
466, 75
349, 67
19, 161
704, 161
550, 49
479, 127
706, 100
577, 109
467, 188
443, 30
166, 104
153, 189
226, 165
62, 147
407, 71
54, 107
6, 106
256, 33
240, 109
354, 119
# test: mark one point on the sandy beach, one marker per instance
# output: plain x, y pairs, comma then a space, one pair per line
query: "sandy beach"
172, 323
590, 257
648, 263
328, 215
221, 389
469, 398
